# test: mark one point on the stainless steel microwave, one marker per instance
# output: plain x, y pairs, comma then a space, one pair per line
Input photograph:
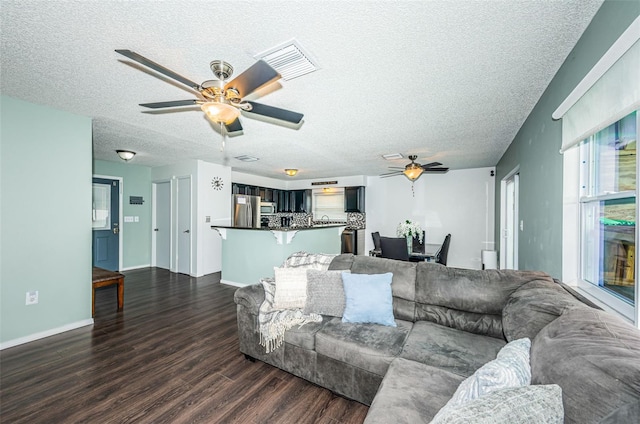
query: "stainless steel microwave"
267, 208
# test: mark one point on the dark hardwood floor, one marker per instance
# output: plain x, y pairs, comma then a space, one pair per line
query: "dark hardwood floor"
171, 356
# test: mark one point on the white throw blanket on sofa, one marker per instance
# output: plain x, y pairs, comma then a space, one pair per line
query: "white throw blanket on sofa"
274, 322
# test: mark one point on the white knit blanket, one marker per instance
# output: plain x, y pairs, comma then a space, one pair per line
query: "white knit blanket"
273, 323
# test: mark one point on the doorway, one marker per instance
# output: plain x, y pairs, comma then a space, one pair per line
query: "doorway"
161, 236
509, 188
105, 222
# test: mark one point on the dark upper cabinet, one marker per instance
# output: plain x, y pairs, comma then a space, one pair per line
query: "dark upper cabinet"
284, 201
301, 200
354, 199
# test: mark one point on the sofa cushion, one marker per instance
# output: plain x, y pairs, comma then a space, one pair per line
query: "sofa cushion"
368, 298
595, 358
450, 349
515, 405
305, 336
411, 392
510, 369
534, 305
371, 347
468, 292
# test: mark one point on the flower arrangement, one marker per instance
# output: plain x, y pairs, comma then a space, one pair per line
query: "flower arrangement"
409, 229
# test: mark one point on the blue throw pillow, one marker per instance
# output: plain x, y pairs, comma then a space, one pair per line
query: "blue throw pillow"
368, 298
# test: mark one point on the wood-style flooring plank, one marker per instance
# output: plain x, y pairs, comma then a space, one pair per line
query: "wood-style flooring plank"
171, 356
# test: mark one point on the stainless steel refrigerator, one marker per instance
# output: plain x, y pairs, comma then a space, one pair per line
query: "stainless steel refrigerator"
245, 211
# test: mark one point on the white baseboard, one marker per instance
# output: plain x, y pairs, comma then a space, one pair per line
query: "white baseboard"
47, 333
233, 283
129, 268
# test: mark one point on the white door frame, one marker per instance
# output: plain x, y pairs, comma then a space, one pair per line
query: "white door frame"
515, 176
154, 222
178, 230
120, 213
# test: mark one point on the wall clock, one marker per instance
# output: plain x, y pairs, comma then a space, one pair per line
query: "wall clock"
217, 183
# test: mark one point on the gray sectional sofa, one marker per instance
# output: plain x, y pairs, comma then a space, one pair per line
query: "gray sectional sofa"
450, 322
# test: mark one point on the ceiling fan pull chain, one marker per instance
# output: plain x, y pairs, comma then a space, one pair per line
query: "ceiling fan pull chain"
223, 134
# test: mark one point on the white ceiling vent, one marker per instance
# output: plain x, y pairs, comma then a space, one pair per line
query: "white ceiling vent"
246, 158
289, 59
391, 156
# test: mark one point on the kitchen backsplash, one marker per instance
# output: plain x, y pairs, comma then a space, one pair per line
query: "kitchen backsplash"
355, 220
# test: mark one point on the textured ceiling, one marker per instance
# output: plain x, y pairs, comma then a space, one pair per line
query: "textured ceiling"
451, 81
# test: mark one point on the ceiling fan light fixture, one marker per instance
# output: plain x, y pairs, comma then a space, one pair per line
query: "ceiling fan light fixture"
219, 112
413, 171
126, 155
291, 172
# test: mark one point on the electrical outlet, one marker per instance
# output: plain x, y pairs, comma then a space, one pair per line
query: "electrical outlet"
32, 297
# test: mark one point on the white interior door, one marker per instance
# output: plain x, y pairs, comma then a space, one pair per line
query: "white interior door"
162, 225
184, 225
509, 224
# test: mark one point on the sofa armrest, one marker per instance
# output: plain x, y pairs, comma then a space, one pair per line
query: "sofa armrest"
251, 297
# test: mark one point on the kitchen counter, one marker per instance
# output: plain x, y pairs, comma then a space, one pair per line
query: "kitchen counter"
291, 228
249, 254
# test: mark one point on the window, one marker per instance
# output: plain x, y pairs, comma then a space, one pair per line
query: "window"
328, 205
608, 210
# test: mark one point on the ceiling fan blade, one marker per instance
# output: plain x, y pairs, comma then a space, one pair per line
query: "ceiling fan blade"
235, 126
391, 174
437, 170
159, 68
173, 103
276, 113
431, 165
259, 74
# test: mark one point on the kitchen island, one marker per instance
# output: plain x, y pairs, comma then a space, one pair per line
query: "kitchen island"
249, 254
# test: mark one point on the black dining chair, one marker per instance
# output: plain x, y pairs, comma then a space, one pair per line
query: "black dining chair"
376, 244
394, 248
441, 256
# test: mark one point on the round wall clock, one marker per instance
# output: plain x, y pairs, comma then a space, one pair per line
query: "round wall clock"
217, 183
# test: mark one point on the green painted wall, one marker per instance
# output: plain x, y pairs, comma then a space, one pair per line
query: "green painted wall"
45, 219
535, 148
248, 255
136, 236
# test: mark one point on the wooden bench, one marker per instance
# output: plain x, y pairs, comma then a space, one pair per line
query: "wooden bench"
104, 278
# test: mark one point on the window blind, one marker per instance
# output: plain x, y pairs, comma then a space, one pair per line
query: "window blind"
610, 91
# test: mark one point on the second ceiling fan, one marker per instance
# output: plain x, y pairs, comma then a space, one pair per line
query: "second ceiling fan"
413, 170
220, 101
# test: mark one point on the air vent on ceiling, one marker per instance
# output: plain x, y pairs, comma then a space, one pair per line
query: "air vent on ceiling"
289, 59
392, 156
246, 158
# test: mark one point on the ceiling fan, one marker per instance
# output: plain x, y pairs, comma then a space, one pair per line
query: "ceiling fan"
220, 101
413, 170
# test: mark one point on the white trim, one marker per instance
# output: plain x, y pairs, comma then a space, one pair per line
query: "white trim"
615, 52
233, 283
46, 333
120, 215
503, 217
130, 268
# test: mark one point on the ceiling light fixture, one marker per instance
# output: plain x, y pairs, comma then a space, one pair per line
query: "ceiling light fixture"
413, 171
220, 112
125, 155
291, 172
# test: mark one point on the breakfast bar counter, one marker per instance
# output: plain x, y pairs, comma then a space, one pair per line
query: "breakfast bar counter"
249, 254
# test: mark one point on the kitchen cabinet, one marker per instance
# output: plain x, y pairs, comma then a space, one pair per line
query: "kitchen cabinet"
301, 200
354, 199
284, 201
